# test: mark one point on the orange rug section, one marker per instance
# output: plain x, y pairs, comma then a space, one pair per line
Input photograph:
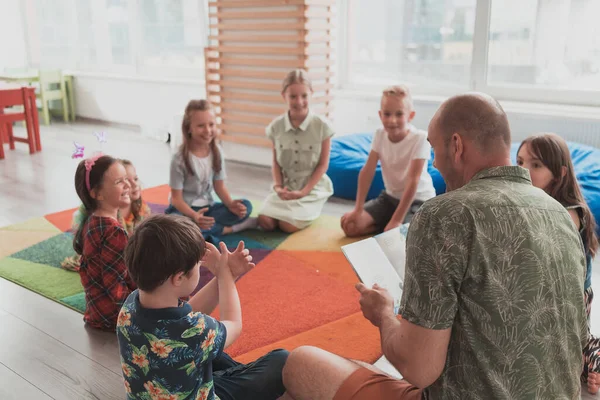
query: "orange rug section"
352, 337
281, 298
157, 195
62, 220
328, 263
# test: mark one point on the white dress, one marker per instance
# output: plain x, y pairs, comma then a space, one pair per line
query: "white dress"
298, 152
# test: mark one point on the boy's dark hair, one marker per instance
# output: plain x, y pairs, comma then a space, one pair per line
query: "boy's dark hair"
162, 246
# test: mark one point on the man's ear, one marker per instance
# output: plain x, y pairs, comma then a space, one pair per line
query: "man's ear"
457, 146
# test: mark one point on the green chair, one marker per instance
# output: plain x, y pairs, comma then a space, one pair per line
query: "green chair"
53, 87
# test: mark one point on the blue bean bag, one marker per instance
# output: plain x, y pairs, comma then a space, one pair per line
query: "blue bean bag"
349, 153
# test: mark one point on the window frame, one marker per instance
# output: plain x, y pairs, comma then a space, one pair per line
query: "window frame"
478, 72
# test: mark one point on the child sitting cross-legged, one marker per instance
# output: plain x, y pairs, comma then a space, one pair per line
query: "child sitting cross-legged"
174, 349
403, 151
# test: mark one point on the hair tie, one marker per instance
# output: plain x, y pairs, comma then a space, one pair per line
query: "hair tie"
89, 163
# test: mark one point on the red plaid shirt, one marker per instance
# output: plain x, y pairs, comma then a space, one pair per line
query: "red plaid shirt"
103, 272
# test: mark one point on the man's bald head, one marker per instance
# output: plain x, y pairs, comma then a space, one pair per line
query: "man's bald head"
476, 117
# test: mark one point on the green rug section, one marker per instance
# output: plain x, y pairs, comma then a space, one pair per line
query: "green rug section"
255, 239
49, 252
77, 301
54, 283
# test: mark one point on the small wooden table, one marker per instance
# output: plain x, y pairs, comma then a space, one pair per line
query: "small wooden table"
30, 77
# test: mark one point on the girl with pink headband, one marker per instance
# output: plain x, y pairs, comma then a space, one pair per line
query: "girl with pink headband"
129, 217
102, 185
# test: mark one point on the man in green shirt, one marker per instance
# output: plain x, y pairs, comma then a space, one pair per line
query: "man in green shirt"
493, 305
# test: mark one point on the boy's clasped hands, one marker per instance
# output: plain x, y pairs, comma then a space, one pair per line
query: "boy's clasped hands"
239, 261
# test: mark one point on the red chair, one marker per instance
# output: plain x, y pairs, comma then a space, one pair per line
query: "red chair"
19, 97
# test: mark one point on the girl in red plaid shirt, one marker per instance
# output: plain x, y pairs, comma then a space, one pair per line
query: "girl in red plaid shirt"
102, 185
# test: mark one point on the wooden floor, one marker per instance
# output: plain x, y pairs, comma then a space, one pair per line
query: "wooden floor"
46, 352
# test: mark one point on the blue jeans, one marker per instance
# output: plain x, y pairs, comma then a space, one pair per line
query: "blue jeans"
223, 217
259, 380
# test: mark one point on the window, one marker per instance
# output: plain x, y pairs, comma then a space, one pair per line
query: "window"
532, 50
419, 41
85, 33
173, 34
144, 37
551, 44
53, 44
117, 18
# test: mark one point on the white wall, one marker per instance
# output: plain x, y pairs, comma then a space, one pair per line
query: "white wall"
157, 106
153, 105
13, 45
133, 101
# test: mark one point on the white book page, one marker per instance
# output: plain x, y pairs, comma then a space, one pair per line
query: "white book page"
393, 245
372, 266
384, 365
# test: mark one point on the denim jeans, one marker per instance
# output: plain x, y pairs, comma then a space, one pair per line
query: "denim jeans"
259, 380
223, 217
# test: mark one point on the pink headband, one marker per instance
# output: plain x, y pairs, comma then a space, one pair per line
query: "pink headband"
89, 163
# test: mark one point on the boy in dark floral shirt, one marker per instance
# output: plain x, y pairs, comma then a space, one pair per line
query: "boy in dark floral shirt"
171, 349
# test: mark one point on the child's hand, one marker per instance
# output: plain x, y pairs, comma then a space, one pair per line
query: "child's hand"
203, 222
223, 263
293, 195
240, 261
211, 258
391, 225
349, 218
282, 192
238, 208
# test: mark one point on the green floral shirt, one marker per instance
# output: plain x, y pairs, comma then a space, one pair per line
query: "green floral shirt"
167, 353
500, 263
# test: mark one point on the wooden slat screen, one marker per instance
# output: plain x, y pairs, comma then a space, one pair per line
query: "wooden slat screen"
253, 44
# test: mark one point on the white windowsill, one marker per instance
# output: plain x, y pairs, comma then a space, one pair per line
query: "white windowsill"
510, 106
137, 78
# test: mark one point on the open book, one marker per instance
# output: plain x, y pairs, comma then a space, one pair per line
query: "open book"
380, 259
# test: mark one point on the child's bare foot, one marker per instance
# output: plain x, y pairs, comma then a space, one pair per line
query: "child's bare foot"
593, 382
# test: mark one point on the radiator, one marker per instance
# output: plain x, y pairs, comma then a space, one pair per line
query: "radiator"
574, 129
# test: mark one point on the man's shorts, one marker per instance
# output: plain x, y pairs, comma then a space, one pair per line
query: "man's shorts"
365, 384
382, 208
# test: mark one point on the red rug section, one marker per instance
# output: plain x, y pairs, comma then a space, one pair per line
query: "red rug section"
62, 220
282, 298
352, 337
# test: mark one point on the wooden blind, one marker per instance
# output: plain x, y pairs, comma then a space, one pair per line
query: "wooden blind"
253, 44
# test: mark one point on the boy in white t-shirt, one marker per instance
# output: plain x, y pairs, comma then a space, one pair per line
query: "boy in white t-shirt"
403, 151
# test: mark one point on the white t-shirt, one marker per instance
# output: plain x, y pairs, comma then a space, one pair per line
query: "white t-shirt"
395, 161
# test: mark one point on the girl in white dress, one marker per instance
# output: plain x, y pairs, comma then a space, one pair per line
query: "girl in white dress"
301, 144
